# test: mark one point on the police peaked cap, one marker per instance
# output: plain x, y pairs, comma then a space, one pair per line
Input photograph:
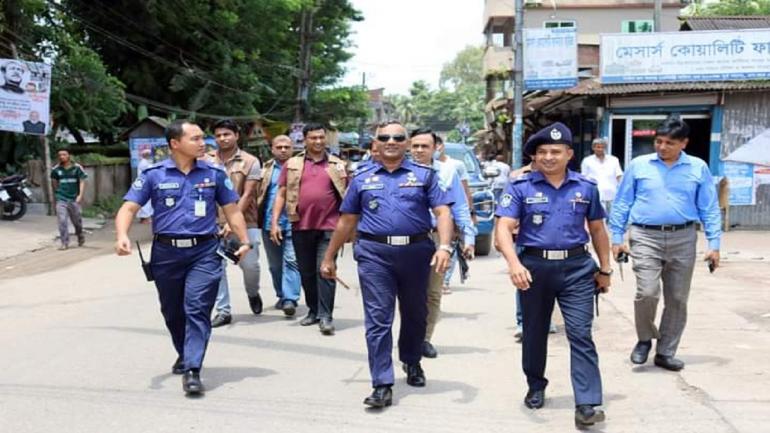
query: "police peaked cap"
555, 133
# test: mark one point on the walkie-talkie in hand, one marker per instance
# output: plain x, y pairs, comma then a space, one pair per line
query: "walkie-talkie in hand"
145, 265
621, 258
228, 248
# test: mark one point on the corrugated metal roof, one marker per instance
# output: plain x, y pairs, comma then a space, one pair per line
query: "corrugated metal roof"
725, 23
594, 87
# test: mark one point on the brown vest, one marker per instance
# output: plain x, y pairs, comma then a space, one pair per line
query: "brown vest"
238, 168
267, 174
294, 166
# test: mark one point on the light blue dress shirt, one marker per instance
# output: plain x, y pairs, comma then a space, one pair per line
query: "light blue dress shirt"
449, 180
655, 194
272, 190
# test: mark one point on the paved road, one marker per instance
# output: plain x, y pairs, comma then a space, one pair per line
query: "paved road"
84, 350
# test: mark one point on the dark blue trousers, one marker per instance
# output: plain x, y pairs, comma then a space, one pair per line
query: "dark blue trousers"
387, 272
571, 282
187, 280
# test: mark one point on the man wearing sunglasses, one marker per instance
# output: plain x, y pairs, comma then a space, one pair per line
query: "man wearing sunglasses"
425, 151
390, 203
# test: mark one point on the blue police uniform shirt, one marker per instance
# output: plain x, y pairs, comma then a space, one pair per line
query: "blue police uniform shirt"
394, 203
550, 218
174, 195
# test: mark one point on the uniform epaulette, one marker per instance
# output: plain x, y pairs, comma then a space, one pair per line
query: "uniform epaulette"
363, 169
429, 167
215, 166
154, 166
586, 179
524, 177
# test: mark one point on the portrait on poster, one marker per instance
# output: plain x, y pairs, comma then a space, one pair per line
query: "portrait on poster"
25, 89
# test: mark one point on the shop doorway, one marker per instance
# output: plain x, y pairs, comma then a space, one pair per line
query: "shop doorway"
634, 135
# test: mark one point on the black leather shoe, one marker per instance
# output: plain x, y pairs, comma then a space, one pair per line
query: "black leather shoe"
535, 399
221, 319
191, 382
326, 326
414, 375
381, 396
668, 362
178, 367
288, 308
255, 302
428, 350
310, 319
640, 352
586, 415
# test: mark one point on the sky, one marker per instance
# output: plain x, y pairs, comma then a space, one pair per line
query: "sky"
402, 41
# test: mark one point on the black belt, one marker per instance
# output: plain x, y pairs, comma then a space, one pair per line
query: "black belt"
555, 254
394, 240
186, 242
665, 227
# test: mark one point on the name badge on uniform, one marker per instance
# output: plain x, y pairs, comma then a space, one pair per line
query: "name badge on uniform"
536, 200
200, 208
168, 186
537, 219
170, 202
371, 186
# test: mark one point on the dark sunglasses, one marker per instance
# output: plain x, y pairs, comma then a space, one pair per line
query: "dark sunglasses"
384, 138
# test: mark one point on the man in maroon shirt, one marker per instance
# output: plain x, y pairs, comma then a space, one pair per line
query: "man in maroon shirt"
311, 186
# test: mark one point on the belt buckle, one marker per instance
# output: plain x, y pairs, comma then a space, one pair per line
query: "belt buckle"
398, 240
667, 228
556, 254
184, 243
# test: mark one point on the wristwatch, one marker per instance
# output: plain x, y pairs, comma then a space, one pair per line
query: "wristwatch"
446, 248
606, 274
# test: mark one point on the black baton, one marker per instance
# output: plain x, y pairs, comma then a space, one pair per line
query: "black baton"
145, 265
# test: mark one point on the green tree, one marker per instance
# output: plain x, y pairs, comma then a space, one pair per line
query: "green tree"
732, 8
83, 95
230, 57
343, 106
458, 100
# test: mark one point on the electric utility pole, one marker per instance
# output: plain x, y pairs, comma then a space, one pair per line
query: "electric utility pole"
518, 85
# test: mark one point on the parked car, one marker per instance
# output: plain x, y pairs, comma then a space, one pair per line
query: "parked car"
483, 198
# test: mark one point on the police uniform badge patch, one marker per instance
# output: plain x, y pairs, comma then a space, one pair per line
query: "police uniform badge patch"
138, 183
505, 200
228, 184
373, 204
170, 201
555, 134
537, 219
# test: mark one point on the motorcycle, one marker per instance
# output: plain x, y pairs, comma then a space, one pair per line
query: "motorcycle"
14, 195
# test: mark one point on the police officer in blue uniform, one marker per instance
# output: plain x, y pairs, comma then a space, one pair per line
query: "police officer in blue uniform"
389, 202
551, 207
184, 192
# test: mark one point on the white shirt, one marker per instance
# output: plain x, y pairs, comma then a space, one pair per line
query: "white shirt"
459, 166
605, 173
502, 180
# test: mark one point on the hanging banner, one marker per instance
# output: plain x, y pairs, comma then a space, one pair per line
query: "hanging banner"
550, 58
741, 178
137, 145
725, 55
25, 89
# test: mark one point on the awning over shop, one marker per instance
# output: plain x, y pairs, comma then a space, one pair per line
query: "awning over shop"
755, 151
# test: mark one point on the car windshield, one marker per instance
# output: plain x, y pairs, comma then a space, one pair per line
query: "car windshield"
463, 155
